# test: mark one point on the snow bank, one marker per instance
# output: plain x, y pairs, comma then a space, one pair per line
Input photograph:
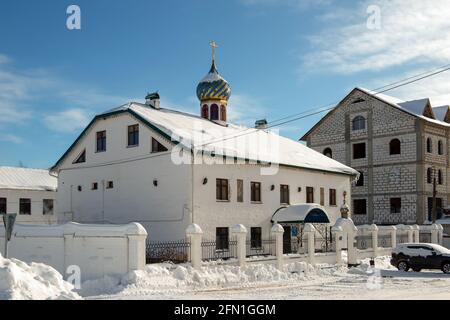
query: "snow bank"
37, 281
165, 278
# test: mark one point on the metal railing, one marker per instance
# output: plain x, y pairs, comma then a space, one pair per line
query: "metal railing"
173, 251
265, 248
210, 250
425, 237
402, 238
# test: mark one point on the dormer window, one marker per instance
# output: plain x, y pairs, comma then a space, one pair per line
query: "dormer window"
359, 123
327, 152
81, 157
157, 146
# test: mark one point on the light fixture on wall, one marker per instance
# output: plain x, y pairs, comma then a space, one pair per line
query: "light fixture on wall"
155, 182
299, 189
272, 187
80, 188
205, 180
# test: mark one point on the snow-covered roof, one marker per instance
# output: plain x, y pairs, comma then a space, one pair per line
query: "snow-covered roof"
413, 107
440, 112
230, 140
27, 179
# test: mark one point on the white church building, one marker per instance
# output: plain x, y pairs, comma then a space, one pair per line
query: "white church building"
167, 169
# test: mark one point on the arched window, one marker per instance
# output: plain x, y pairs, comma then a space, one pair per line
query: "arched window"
360, 182
440, 177
394, 147
440, 147
214, 112
327, 152
358, 123
429, 175
205, 111
429, 145
223, 113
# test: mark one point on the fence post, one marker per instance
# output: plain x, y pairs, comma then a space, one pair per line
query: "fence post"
416, 233
310, 233
393, 236
409, 231
277, 231
241, 236
337, 234
435, 233
441, 234
194, 234
374, 232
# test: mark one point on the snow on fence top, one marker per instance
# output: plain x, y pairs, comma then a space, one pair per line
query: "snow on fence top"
76, 229
27, 179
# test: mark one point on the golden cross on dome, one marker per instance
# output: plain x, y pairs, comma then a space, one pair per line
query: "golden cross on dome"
213, 45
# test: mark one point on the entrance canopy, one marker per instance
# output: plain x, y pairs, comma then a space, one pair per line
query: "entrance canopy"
301, 213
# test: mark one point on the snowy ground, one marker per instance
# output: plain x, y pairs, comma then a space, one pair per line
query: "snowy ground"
298, 281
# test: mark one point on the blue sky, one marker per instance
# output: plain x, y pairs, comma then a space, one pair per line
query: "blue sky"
280, 57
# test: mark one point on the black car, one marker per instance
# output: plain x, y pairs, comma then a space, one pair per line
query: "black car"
418, 256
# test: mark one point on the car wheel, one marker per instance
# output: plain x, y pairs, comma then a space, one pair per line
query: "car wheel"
403, 266
446, 267
416, 269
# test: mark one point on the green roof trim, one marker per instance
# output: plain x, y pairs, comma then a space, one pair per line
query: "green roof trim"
107, 115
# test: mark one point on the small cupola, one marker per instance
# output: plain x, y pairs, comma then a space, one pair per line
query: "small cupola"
152, 100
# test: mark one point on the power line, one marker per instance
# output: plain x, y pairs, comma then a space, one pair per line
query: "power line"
327, 106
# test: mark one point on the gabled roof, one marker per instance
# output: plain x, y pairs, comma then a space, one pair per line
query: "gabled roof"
418, 108
194, 132
442, 113
27, 179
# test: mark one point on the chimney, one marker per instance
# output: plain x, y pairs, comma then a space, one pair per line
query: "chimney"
152, 100
261, 124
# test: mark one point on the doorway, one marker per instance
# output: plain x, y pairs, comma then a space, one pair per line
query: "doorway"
287, 240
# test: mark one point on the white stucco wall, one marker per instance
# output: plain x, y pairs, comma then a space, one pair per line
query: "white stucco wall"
210, 213
13, 197
96, 250
166, 210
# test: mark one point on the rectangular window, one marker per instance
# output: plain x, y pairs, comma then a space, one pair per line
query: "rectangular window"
25, 206
133, 135
284, 194
3, 205
309, 195
255, 191
109, 185
157, 147
222, 189
47, 206
94, 186
332, 197
255, 237
360, 206
101, 141
222, 239
396, 205
359, 151
240, 190
322, 196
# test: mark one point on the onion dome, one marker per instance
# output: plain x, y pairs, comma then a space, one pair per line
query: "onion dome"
213, 86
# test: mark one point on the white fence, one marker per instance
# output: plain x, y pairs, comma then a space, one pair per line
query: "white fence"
97, 250
359, 242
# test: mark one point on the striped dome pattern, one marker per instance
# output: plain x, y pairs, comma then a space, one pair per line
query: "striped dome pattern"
213, 86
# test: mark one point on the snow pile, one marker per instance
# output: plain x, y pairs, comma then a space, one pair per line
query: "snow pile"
166, 278
37, 281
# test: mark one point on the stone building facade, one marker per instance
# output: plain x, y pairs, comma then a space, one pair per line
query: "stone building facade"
398, 147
